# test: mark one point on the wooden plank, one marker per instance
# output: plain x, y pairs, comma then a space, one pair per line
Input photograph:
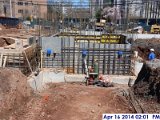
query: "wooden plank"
1, 60
4, 62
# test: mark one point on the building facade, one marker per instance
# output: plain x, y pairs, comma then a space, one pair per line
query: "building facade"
25, 8
135, 9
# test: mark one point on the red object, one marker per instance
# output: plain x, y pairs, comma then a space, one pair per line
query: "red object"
90, 81
101, 77
45, 98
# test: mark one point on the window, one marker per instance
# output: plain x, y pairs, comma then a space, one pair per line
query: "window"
26, 3
20, 3
20, 11
26, 11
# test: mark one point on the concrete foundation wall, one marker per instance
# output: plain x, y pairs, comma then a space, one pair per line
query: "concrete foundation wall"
54, 43
39, 82
142, 36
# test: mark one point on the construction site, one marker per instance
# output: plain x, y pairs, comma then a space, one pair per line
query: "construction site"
67, 60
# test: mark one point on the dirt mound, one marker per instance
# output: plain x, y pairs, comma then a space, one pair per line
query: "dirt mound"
148, 82
13, 31
6, 41
14, 91
143, 47
147, 89
74, 102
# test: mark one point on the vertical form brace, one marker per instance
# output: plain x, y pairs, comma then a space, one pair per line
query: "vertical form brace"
1, 60
88, 53
41, 60
104, 58
109, 54
74, 57
4, 61
62, 53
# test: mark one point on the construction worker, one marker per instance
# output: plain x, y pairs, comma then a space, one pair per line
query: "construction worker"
151, 55
120, 54
49, 52
84, 53
84, 61
96, 69
54, 54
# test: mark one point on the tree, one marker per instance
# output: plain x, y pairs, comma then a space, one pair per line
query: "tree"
111, 13
98, 15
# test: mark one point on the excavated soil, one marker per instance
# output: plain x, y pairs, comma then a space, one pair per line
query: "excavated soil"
61, 101
9, 31
147, 84
147, 88
74, 102
143, 47
14, 91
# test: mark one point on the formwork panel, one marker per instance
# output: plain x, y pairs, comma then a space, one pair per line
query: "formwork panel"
70, 57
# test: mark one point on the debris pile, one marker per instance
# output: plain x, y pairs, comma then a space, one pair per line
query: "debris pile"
14, 91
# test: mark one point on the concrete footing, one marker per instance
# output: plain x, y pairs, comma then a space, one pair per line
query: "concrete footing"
53, 76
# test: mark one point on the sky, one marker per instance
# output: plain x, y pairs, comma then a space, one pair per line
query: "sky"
75, 2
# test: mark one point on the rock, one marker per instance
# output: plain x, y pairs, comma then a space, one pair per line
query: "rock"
43, 114
92, 111
99, 104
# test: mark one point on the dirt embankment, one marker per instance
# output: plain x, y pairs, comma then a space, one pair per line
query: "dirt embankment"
71, 101
14, 91
143, 47
147, 88
4, 32
6, 41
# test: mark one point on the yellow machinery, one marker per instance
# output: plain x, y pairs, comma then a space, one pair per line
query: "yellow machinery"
100, 25
155, 29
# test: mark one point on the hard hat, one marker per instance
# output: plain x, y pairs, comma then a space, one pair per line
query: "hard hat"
152, 49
